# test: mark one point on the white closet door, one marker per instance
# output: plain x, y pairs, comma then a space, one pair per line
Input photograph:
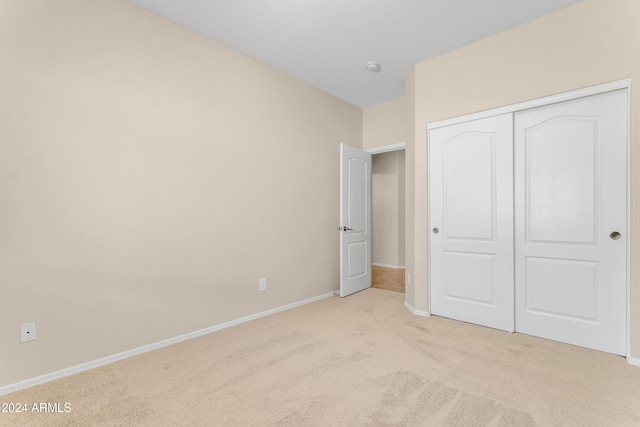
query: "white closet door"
471, 221
570, 216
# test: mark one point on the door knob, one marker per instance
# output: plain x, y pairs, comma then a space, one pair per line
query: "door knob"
345, 228
435, 230
615, 235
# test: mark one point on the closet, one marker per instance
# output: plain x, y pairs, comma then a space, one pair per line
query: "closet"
528, 220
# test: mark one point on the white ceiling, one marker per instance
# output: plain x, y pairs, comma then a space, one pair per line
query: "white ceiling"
327, 43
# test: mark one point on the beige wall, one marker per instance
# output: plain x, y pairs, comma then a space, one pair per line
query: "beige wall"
149, 177
410, 190
592, 42
385, 123
388, 208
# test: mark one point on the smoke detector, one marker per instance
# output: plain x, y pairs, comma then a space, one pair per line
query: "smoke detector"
373, 66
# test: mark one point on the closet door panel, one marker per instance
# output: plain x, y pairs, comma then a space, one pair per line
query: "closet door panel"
469, 155
471, 221
570, 196
561, 179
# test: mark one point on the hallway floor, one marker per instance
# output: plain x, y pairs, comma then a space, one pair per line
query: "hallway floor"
391, 279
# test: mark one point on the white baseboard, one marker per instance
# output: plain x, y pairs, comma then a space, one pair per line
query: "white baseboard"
375, 264
416, 312
633, 361
136, 351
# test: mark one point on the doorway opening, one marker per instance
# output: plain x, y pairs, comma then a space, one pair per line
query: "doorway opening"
388, 218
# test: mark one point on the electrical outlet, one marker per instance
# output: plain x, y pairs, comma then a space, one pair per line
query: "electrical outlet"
27, 332
263, 284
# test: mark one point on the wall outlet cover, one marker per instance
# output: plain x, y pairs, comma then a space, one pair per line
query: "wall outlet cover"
27, 332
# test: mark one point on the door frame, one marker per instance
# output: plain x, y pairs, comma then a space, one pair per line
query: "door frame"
386, 148
400, 146
539, 102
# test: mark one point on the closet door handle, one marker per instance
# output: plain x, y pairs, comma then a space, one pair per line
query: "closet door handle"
615, 235
436, 230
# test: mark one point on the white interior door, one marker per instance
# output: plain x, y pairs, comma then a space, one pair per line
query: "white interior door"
571, 221
471, 221
355, 220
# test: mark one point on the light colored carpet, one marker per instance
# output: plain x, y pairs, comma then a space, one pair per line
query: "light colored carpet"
357, 361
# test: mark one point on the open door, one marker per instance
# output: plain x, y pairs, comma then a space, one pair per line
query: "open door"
355, 220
